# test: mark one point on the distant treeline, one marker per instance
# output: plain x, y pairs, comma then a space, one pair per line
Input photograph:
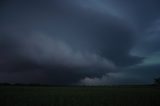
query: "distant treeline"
20, 84
36, 84
60, 85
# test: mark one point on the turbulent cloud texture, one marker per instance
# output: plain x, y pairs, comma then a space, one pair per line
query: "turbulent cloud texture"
79, 41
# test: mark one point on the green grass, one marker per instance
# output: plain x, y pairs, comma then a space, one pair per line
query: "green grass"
79, 96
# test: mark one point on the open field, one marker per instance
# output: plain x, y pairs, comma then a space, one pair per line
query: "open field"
79, 96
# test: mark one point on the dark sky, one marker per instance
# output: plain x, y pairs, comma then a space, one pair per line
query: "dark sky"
89, 42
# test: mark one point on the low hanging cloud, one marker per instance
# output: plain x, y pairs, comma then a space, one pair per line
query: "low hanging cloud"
57, 59
143, 73
44, 49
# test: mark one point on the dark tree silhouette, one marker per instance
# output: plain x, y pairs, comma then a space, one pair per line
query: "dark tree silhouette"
157, 81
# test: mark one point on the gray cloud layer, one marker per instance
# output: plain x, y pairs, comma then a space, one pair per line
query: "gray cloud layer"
71, 41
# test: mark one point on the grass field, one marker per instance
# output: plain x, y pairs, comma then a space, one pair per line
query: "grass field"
79, 96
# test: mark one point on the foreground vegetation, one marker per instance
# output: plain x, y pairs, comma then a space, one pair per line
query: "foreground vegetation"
79, 96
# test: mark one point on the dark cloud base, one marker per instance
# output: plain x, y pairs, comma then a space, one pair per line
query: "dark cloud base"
66, 42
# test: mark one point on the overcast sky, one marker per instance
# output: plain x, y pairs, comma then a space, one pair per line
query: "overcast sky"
88, 42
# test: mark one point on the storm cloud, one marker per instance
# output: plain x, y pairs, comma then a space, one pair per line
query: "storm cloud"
79, 41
